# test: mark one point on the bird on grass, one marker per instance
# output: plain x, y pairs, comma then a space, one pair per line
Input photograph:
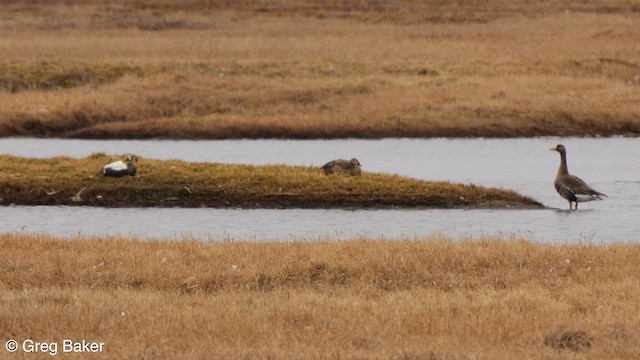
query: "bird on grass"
570, 187
340, 166
121, 167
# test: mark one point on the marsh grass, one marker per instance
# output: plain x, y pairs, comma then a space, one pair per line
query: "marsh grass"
56, 181
55, 76
365, 298
319, 69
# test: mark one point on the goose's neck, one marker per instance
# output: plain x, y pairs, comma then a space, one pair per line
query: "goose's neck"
562, 170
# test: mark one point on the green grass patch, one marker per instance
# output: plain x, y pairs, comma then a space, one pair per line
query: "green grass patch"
15, 77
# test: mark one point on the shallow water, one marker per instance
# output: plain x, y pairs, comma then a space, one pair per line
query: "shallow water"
610, 165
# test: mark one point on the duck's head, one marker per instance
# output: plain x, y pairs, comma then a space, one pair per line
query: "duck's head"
130, 158
355, 161
559, 148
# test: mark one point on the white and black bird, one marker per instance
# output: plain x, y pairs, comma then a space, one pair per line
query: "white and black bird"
571, 187
121, 167
340, 166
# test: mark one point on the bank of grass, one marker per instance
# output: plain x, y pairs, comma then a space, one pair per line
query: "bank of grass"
318, 69
428, 298
67, 181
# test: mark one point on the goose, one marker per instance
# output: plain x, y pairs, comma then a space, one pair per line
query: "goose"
340, 166
572, 187
121, 167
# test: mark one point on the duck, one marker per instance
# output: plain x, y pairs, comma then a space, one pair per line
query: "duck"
121, 167
341, 166
571, 187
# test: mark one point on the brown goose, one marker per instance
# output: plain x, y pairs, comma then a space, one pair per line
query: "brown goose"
572, 187
340, 166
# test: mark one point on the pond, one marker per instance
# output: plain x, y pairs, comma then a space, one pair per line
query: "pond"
611, 165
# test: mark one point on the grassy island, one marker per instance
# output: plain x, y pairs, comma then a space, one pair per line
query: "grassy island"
319, 68
68, 181
429, 298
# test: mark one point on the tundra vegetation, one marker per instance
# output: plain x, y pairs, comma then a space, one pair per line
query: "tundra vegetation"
318, 69
431, 298
68, 181
199, 69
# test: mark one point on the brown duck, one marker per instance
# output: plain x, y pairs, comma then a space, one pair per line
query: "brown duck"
340, 166
570, 187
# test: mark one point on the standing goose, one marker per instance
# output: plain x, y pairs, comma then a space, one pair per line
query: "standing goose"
340, 166
572, 187
120, 168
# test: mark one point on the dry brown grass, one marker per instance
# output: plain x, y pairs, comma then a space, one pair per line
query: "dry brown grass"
430, 298
56, 181
319, 69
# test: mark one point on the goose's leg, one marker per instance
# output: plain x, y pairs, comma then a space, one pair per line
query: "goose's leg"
576, 205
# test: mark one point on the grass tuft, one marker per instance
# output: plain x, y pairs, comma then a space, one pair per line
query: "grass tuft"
565, 339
